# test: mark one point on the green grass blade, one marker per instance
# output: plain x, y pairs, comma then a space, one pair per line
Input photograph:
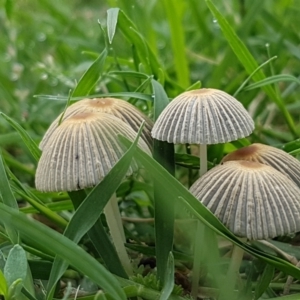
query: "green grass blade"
112, 20
90, 77
5, 191
164, 220
101, 240
251, 75
169, 279
31, 145
264, 281
271, 80
34, 232
121, 95
27, 195
174, 11
144, 53
86, 215
249, 63
7, 197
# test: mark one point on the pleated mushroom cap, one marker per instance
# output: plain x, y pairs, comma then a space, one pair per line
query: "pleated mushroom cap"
119, 108
253, 200
81, 151
203, 116
271, 156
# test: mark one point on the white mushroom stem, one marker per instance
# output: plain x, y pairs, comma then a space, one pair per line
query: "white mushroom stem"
114, 222
199, 232
234, 266
203, 159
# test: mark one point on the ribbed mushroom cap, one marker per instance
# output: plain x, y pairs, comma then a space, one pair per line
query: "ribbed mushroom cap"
204, 116
251, 199
268, 155
81, 151
119, 108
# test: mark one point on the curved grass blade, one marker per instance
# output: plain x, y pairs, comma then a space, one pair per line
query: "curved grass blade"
251, 75
249, 63
271, 80
122, 95
31, 145
34, 232
197, 209
90, 77
86, 215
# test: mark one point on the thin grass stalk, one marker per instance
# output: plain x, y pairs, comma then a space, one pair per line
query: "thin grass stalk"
113, 219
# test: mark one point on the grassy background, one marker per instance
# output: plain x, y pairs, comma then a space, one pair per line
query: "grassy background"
46, 46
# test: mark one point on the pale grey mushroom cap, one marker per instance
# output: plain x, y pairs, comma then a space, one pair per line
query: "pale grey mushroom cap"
271, 156
81, 151
119, 108
253, 200
204, 116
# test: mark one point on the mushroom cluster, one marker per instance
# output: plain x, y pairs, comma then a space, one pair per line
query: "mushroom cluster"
255, 190
81, 146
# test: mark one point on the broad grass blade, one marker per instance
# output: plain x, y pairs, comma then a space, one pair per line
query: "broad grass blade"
36, 233
169, 279
90, 77
164, 219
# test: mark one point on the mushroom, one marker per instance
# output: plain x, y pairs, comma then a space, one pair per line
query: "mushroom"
253, 200
268, 155
119, 108
78, 154
203, 116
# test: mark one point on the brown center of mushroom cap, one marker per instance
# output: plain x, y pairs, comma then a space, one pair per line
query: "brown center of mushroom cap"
101, 102
245, 153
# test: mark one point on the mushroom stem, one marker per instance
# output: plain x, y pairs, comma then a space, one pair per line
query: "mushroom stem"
203, 159
234, 266
114, 222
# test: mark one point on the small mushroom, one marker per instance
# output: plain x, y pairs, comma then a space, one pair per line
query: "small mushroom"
203, 116
252, 199
268, 155
78, 154
116, 107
